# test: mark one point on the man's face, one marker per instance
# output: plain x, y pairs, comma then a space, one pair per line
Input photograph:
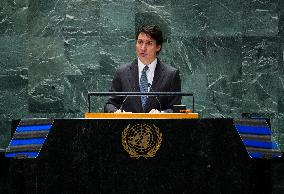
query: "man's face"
146, 48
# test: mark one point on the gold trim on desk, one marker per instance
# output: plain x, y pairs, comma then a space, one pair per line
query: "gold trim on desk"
142, 115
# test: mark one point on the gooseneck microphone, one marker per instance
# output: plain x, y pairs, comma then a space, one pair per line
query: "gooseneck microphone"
138, 94
156, 97
159, 103
120, 108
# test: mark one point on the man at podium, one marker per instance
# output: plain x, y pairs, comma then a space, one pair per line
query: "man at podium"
145, 74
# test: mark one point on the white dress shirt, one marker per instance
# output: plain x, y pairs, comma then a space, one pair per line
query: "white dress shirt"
150, 72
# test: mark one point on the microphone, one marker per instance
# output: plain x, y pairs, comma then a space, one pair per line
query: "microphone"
159, 103
120, 108
150, 88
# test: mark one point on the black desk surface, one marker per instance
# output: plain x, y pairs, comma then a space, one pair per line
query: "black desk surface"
86, 156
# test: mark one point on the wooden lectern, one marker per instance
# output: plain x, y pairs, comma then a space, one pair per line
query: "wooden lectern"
138, 153
142, 115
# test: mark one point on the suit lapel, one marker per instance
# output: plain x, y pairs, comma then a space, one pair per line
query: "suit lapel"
133, 78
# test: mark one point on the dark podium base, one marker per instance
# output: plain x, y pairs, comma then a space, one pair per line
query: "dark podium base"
87, 156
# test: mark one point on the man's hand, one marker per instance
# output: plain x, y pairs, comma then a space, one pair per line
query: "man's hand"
119, 111
154, 111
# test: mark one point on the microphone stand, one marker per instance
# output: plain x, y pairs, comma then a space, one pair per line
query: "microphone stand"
157, 94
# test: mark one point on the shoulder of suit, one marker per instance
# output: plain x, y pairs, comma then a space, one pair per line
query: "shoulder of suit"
168, 67
123, 67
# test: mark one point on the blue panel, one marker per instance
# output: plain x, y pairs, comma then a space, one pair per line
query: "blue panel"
276, 155
253, 130
33, 128
30, 141
28, 154
256, 155
260, 144
261, 155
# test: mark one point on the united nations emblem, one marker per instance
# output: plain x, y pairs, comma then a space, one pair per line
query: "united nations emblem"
141, 140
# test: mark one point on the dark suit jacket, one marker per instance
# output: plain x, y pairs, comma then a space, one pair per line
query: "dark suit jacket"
126, 79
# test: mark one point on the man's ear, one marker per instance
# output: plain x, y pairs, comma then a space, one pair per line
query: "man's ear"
158, 48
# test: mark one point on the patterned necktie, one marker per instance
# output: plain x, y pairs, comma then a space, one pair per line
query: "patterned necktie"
144, 85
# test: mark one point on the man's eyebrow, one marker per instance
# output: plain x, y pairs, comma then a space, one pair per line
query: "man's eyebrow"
145, 40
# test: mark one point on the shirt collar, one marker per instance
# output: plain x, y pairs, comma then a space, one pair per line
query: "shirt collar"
151, 66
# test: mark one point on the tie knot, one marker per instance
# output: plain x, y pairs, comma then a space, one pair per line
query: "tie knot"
145, 68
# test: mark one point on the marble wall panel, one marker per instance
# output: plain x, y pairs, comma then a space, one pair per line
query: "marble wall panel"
13, 83
260, 74
193, 21
154, 12
5, 133
224, 98
13, 17
260, 18
46, 71
117, 34
45, 18
224, 18
224, 70
154, 2
116, 44
13, 55
76, 89
13, 96
167, 53
281, 20
118, 20
82, 53
149, 17
81, 18
281, 95
46, 95
13, 103
207, 18
260, 55
260, 93
195, 83
189, 54
281, 37
278, 129
224, 56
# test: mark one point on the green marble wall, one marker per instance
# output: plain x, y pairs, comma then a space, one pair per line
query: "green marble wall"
230, 54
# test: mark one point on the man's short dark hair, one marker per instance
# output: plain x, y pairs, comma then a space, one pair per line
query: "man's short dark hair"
154, 32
